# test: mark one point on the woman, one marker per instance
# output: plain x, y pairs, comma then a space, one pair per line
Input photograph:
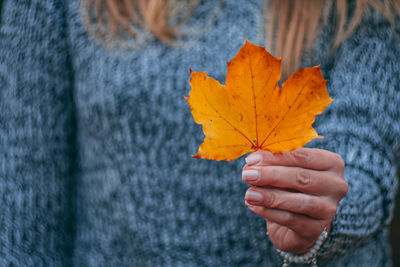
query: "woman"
96, 141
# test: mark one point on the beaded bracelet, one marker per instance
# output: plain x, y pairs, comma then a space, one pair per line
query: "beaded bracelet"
309, 257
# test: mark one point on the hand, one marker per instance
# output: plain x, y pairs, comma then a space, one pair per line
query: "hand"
297, 193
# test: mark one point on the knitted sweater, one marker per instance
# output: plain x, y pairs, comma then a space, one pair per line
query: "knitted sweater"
96, 144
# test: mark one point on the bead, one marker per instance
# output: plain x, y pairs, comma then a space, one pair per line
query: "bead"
314, 262
309, 257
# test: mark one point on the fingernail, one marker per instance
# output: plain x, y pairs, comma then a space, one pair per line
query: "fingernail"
253, 159
250, 175
253, 197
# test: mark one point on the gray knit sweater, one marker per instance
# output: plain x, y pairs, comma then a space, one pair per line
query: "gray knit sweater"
96, 144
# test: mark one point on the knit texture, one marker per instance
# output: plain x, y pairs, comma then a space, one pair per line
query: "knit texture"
96, 144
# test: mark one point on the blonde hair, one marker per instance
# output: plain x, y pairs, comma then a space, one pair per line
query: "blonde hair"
292, 25
115, 17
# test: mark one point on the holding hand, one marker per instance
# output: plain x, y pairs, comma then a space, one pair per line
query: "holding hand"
297, 193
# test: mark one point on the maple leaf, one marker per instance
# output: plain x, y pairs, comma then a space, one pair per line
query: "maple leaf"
251, 112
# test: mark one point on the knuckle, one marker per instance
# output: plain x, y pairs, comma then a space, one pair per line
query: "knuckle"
339, 162
270, 173
270, 200
301, 156
343, 188
331, 210
267, 158
308, 205
288, 218
303, 178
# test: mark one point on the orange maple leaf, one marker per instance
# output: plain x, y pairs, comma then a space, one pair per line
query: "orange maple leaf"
251, 112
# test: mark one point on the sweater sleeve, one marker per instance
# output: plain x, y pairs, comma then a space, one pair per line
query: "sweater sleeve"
363, 126
36, 136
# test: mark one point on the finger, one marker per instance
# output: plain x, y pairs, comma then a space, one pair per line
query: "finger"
291, 241
300, 179
304, 226
308, 158
312, 206
288, 240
